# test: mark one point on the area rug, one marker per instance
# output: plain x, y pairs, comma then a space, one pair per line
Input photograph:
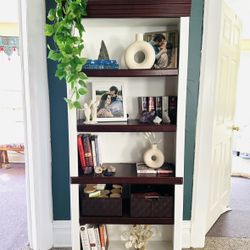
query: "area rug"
13, 220
225, 243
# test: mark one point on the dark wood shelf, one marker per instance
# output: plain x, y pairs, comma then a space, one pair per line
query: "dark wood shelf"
138, 8
125, 220
126, 174
130, 72
129, 126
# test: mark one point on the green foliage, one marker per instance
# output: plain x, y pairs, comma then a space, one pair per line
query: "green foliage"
66, 29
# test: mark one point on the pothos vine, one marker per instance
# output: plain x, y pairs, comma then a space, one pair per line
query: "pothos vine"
66, 29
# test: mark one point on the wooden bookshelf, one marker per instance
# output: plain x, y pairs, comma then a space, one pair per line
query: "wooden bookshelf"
129, 126
130, 72
126, 174
125, 220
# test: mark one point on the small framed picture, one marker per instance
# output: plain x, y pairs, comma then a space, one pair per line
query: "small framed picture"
166, 45
110, 97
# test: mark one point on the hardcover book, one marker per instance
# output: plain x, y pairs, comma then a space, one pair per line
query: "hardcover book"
81, 152
88, 150
84, 237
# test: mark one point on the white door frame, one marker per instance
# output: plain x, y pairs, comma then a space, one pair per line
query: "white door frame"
37, 124
203, 142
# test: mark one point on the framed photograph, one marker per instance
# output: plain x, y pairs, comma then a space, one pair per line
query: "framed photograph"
166, 45
110, 97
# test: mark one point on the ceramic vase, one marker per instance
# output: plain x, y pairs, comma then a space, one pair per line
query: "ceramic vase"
153, 157
143, 50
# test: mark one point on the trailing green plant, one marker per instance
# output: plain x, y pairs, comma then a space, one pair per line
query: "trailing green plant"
66, 29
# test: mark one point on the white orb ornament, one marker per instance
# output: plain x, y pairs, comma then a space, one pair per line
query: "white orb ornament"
140, 54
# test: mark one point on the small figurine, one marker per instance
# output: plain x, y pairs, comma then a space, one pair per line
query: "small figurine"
93, 105
87, 112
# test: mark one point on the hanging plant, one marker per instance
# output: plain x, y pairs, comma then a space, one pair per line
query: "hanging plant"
66, 29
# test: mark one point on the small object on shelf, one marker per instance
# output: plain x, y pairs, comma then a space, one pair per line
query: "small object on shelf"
106, 173
105, 192
87, 112
137, 236
116, 191
147, 117
153, 157
103, 55
140, 54
98, 170
157, 120
117, 186
95, 194
111, 169
89, 188
100, 187
115, 195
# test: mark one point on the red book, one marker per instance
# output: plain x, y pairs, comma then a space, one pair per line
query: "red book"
81, 151
88, 150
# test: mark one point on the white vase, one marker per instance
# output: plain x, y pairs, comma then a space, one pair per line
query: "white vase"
140, 54
153, 157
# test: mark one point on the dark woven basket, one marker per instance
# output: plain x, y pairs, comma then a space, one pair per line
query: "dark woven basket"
101, 206
160, 207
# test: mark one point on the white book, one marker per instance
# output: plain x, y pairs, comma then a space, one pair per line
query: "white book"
84, 237
97, 236
142, 168
92, 239
165, 110
93, 152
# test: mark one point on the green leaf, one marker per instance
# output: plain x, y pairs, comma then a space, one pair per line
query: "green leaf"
82, 91
49, 30
82, 83
52, 14
54, 55
83, 76
77, 105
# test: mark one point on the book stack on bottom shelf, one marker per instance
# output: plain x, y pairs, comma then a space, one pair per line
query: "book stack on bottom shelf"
94, 237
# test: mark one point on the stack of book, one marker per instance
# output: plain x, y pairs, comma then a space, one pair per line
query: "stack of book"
89, 155
143, 170
94, 237
164, 107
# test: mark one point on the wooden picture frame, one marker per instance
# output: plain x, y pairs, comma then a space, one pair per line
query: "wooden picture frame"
169, 59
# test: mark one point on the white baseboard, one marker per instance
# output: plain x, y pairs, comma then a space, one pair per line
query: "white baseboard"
62, 233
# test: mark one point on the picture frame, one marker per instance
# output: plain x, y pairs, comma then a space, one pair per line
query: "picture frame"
111, 101
169, 59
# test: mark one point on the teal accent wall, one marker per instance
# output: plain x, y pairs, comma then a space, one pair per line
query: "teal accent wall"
59, 122
59, 140
194, 58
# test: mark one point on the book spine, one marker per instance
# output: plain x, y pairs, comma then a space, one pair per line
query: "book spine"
93, 148
158, 106
84, 238
172, 102
97, 151
142, 102
102, 240
150, 104
165, 110
92, 239
97, 237
88, 154
81, 151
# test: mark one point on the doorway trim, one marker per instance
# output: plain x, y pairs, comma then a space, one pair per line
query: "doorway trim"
37, 124
203, 152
